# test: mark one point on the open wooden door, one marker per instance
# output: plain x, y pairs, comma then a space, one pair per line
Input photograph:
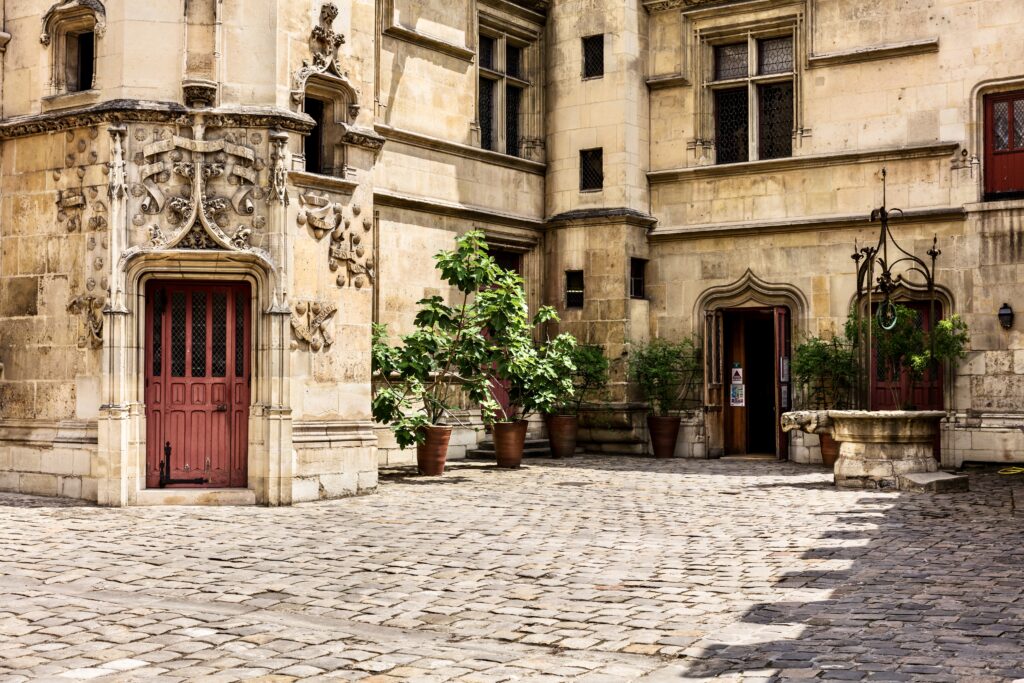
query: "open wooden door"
782, 378
714, 371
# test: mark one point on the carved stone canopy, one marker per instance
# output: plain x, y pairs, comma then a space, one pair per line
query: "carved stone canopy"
68, 9
323, 49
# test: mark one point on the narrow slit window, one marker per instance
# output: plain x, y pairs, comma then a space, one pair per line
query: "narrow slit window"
486, 113
593, 56
574, 289
591, 169
513, 102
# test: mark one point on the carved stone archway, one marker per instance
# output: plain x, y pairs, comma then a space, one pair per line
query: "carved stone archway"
751, 291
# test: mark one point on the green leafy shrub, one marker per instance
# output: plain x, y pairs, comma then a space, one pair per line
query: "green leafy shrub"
668, 374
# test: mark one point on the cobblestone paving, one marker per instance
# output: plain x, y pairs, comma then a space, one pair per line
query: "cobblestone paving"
591, 569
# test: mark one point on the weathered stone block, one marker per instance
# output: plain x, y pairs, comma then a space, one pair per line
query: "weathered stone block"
19, 296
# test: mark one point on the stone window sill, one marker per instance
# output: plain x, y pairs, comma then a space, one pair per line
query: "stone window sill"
66, 100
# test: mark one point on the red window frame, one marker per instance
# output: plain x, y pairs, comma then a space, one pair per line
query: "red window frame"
1004, 165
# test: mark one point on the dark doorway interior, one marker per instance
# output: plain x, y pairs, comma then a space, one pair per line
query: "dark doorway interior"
750, 348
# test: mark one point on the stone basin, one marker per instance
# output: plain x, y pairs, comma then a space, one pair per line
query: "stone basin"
878, 446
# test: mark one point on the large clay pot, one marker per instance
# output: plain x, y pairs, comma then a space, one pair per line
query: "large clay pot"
664, 432
509, 439
431, 454
829, 449
562, 431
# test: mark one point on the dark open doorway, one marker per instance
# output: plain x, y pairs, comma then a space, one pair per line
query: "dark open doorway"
755, 368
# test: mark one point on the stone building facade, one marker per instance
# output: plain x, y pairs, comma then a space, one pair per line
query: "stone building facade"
205, 205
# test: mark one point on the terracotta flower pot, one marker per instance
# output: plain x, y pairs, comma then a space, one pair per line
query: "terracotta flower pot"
829, 449
562, 431
664, 432
509, 439
431, 454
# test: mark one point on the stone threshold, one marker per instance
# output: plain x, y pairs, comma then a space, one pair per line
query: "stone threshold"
195, 497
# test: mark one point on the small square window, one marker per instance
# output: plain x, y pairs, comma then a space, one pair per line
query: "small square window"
486, 52
591, 169
637, 274
593, 56
730, 61
574, 289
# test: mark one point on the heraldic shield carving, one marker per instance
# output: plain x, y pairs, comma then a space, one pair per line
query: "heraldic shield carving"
200, 192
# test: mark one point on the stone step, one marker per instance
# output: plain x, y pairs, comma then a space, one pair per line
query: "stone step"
534, 448
934, 482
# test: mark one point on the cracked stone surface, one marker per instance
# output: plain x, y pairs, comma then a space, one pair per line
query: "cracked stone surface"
589, 569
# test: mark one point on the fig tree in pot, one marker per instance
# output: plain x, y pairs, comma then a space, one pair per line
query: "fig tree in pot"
536, 376
825, 371
590, 375
667, 374
422, 379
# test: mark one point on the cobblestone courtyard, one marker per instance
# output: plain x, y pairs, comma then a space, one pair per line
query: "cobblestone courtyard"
593, 569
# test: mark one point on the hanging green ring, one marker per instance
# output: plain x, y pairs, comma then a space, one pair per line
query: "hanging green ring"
887, 315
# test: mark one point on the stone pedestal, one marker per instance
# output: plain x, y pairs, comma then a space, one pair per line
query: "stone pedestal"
880, 446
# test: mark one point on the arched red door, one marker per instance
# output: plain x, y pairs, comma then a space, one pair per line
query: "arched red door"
197, 383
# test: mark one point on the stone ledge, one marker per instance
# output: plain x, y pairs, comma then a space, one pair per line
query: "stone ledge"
934, 482
874, 52
195, 497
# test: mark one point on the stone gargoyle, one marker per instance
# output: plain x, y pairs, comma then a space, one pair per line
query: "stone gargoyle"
810, 421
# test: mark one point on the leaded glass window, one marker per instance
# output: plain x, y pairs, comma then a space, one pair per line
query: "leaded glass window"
1001, 125
219, 334
486, 52
240, 304
486, 113
178, 334
199, 334
775, 120
775, 55
730, 61
593, 56
591, 169
514, 61
731, 129
513, 100
159, 302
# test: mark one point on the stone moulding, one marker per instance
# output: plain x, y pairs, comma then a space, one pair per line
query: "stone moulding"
446, 208
466, 151
874, 52
143, 111
866, 156
93, 8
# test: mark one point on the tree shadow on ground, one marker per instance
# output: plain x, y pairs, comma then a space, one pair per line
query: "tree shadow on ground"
918, 597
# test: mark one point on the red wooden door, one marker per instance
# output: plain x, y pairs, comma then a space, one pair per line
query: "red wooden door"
197, 382
1004, 143
886, 389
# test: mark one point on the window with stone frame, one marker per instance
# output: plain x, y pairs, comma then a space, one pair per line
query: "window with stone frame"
71, 31
327, 103
574, 289
508, 72
1004, 145
751, 95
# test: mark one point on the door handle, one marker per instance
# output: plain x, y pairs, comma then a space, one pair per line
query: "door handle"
221, 408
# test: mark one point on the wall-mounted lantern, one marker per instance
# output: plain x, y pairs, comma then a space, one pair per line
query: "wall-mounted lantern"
1006, 316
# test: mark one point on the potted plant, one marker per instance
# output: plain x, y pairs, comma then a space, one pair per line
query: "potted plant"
667, 374
826, 372
535, 376
590, 374
447, 355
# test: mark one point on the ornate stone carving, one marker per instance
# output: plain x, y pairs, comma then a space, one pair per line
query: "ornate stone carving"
323, 48
311, 323
321, 214
278, 169
117, 181
200, 186
90, 308
349, 258
64, 8
199, 92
